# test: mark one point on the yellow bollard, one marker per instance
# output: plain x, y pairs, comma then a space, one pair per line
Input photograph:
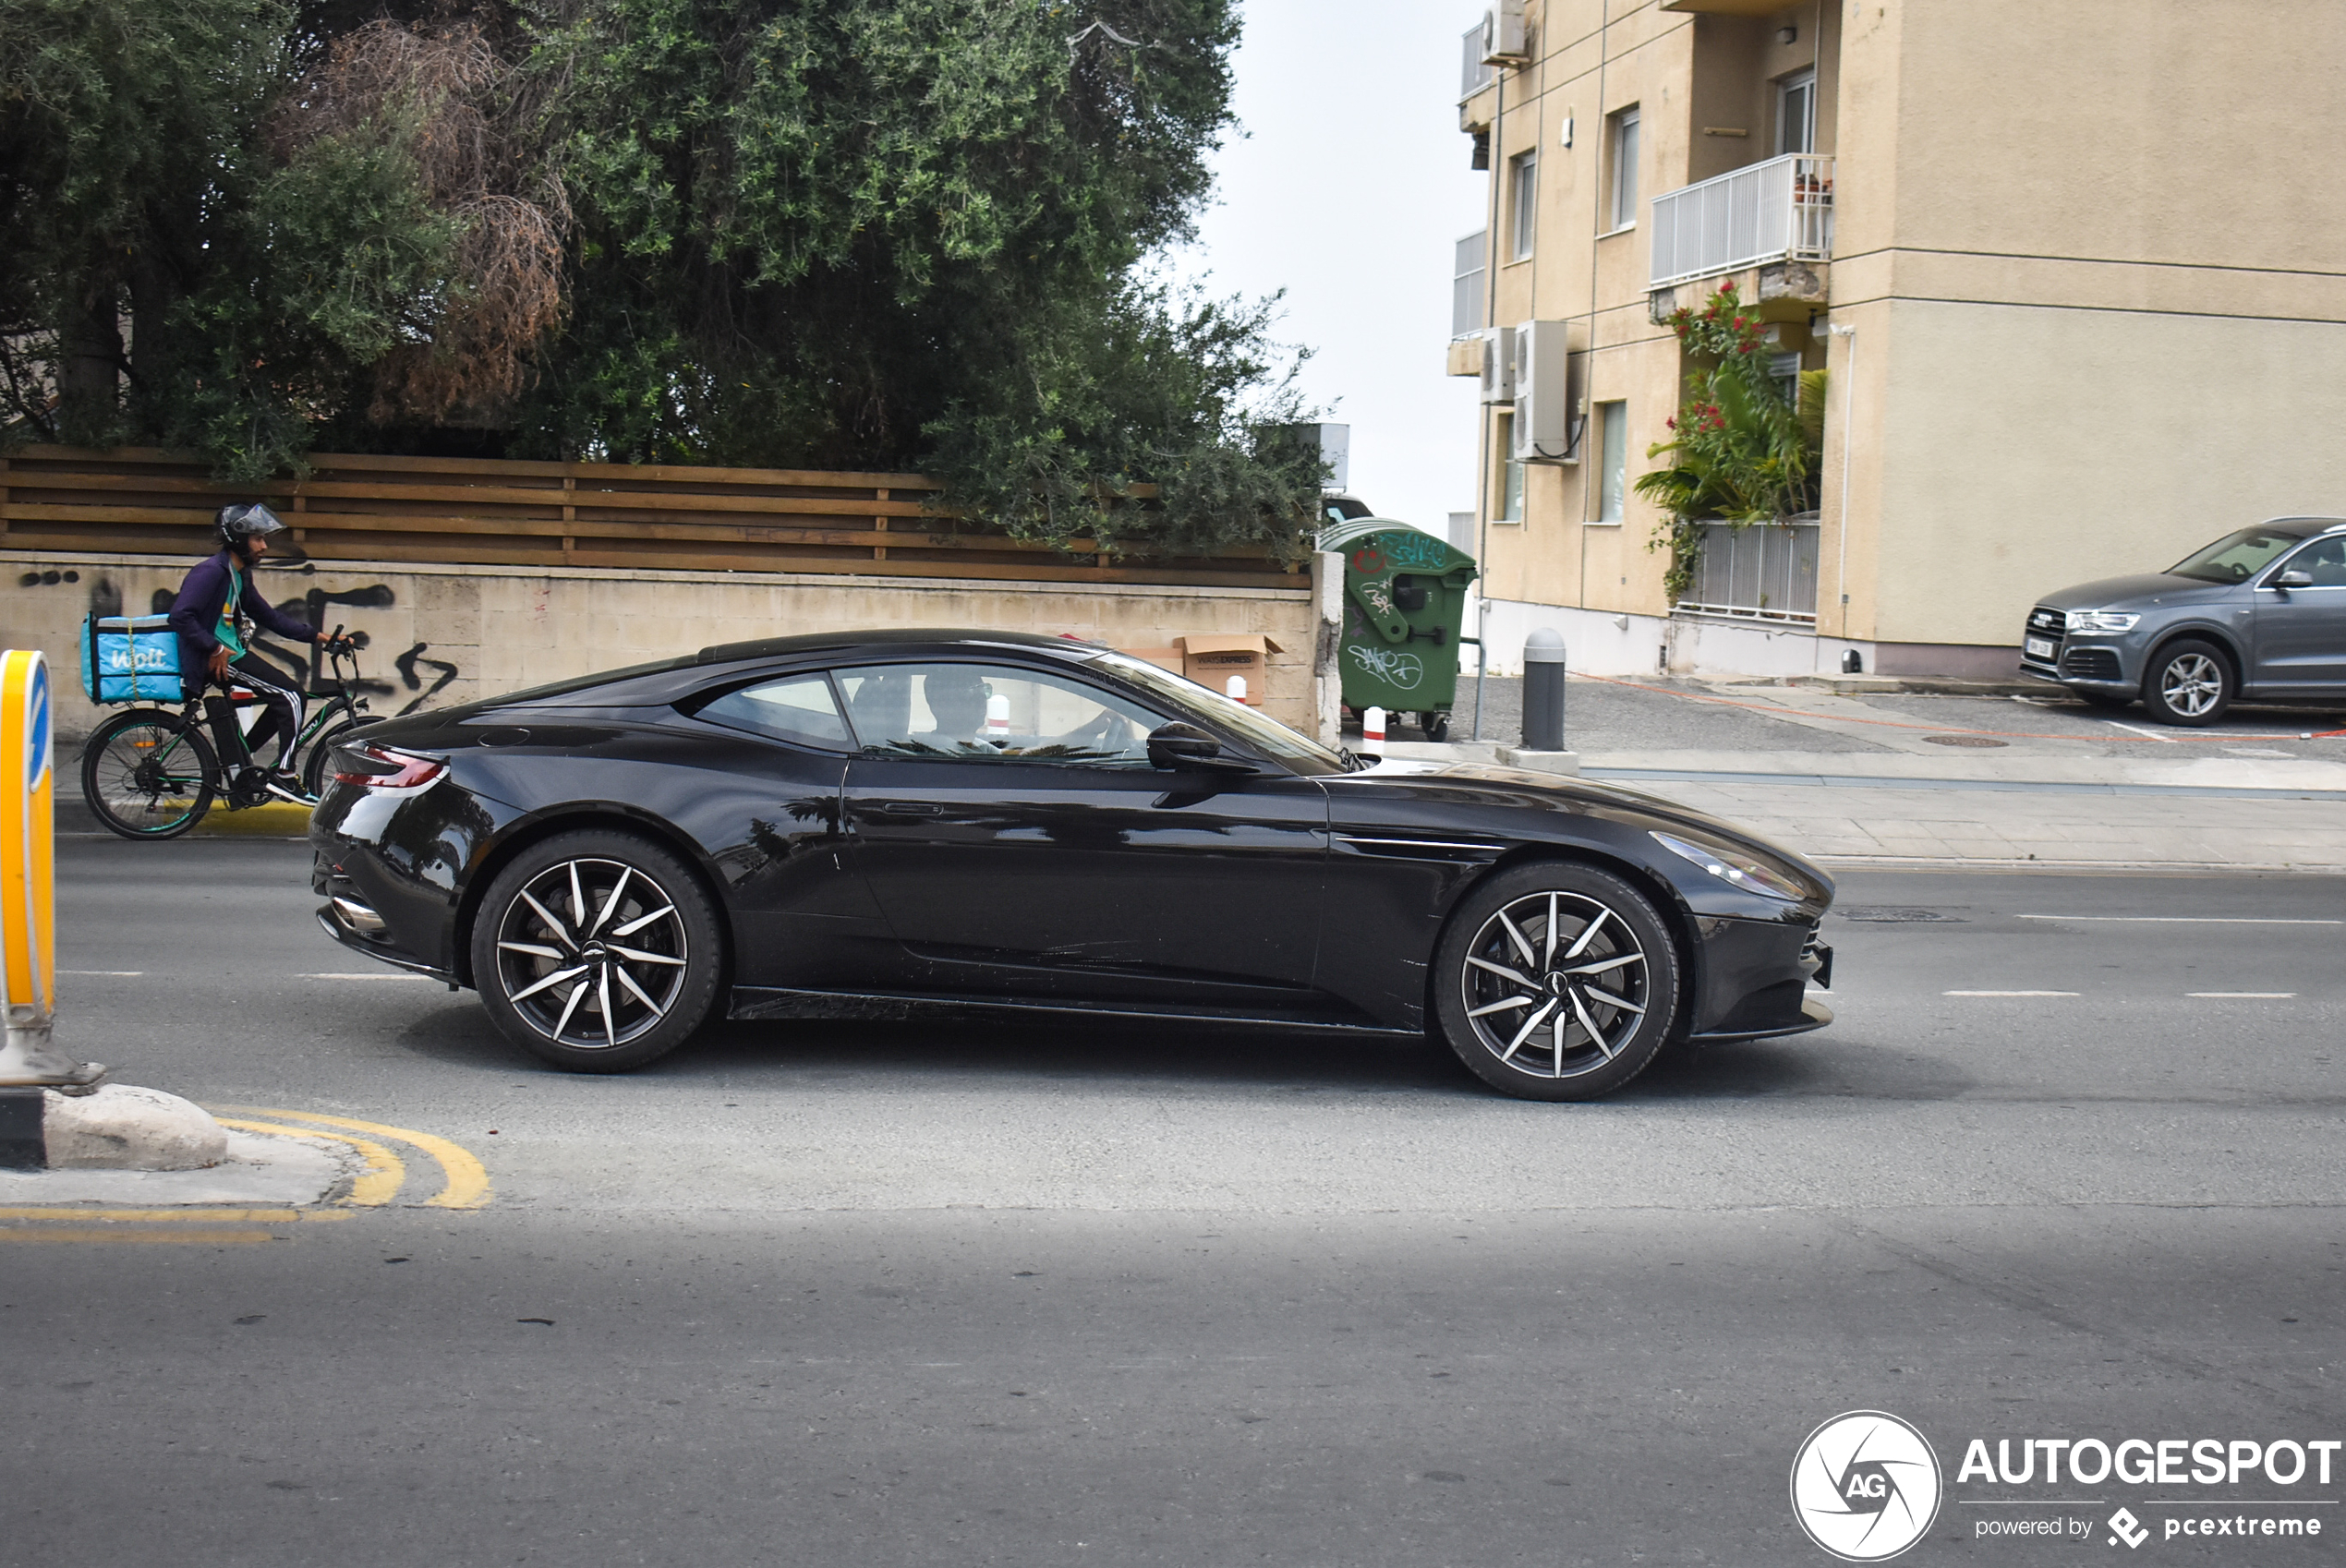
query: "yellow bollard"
27, 880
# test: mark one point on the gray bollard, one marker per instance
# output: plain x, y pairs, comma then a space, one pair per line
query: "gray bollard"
1543, 692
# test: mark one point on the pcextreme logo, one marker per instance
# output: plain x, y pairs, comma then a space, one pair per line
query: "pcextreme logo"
1866, 1486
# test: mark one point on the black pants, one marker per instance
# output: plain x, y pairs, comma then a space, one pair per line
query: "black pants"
284, 707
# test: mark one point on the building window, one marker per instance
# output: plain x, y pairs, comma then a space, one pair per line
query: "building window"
1623, 171
1511, 474
1796, 113
1612, 422
1784, 370
1523, 191
1465, 287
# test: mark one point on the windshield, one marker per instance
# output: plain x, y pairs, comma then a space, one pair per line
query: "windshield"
1266, 736
2235, 558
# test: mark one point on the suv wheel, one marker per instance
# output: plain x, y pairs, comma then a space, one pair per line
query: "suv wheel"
2189, 683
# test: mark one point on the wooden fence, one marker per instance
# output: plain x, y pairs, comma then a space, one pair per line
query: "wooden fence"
495, 513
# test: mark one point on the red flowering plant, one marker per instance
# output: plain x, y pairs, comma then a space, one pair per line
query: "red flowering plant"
1740, 451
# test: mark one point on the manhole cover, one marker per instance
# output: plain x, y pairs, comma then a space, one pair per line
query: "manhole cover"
1965, 741
1891, 914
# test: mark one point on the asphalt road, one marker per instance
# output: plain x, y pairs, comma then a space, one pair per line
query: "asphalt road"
862, 1295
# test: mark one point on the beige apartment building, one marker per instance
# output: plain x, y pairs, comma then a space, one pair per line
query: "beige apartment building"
2076, 267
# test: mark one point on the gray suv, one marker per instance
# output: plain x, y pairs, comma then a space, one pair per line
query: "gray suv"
2258, 614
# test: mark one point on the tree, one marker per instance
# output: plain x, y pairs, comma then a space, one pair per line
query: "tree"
845, 234
1743, 453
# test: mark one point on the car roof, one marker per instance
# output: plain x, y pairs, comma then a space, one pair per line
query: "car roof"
2321, 524
841, 642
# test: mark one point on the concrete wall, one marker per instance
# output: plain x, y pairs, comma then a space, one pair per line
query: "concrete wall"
445, 634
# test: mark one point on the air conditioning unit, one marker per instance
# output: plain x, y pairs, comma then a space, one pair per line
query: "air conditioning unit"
1498, 365
1545, 427
1503, 33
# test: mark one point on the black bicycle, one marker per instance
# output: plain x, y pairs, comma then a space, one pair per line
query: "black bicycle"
149, 773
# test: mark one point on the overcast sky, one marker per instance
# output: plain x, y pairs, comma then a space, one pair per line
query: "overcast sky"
1349, 187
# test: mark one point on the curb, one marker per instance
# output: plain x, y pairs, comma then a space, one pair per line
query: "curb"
278, 819
116, 1126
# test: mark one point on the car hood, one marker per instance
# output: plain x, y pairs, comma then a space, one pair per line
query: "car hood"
2142, 591
1584, 796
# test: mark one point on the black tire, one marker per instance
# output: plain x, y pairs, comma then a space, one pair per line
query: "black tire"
623, 1011
148, 774
2189, 683
1594, 912
1435, 725
313, 764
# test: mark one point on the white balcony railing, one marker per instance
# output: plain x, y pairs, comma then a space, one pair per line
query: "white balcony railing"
1779, 211
1765, 573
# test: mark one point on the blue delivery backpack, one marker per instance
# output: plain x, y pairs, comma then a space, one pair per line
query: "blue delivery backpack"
127, 658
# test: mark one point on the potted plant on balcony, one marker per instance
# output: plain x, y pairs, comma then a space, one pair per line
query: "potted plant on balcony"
1740, 452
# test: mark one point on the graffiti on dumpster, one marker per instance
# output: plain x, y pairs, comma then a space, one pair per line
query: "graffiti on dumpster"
1401, 551
1396, 667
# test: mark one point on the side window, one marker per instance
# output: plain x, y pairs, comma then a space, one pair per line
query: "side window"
797, 708
2325, 561
991, 713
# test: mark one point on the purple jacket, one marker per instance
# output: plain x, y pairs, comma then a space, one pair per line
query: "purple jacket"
197, 610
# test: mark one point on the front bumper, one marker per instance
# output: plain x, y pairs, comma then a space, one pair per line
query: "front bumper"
2108, 664
1754, 981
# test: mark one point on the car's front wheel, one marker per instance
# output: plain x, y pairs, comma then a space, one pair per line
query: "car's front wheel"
2188, 682
596, 951
1557, 981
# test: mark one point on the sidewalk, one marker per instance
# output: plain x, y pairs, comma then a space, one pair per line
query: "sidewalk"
1856, 779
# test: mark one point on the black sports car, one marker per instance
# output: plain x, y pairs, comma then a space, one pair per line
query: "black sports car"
888, 822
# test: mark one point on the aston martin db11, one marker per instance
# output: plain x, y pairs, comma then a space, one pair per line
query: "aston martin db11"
899, 822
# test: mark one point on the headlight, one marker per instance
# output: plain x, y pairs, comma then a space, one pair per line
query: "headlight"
1749, 875
2100, 620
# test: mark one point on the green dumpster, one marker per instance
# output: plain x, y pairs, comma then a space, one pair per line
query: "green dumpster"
1404, 605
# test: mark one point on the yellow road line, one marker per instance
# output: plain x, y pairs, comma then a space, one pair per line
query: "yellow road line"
467, 1186
181, 1217
386, 1173
240, 1238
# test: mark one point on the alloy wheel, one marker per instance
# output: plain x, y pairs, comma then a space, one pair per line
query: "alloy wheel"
2192, 684
592, 953
1554, 984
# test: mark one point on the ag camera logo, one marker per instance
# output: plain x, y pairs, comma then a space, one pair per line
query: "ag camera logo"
1866, 1486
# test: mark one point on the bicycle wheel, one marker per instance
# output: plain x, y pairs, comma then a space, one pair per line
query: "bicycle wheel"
313, 761
147, 774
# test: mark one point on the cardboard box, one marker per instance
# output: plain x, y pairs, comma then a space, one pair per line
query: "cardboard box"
1211, 661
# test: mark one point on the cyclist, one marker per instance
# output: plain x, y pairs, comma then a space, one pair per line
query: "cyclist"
214, 616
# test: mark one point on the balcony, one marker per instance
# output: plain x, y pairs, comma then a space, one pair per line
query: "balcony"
1765, 573
1476, 76
1779, 211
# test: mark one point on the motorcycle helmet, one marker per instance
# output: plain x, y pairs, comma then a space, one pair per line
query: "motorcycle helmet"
247, 520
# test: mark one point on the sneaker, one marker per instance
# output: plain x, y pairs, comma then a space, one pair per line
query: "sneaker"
285, 785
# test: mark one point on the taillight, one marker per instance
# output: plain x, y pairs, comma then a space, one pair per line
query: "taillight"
383, 771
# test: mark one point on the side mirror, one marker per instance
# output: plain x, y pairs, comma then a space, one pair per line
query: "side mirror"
1178, 746
2294, 578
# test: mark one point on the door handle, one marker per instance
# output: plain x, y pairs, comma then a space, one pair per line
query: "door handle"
905, 808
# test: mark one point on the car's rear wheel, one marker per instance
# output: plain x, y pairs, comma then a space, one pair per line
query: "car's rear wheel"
2189, 683
1557, 981
596, 951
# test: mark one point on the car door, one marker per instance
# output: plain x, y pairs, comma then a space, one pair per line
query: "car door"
2301, 631
767, 757
1013, 833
